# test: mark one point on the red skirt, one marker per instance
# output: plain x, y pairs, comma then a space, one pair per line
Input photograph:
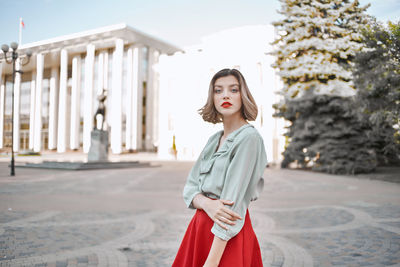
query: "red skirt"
242, 250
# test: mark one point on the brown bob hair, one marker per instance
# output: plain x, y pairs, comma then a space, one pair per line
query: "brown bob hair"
249, 108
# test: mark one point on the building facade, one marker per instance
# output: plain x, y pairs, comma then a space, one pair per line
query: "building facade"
55, 98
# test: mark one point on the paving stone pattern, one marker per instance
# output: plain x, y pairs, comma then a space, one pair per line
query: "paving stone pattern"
136, 217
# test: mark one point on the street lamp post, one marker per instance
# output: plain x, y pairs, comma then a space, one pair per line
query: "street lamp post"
11, 60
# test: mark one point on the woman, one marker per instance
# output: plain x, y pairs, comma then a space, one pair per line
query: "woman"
224, 179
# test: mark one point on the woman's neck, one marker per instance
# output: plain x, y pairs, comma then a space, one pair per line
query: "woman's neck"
232, 123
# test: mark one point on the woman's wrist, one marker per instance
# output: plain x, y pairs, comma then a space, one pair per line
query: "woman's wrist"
200, 201
212, 261
209, 263
216, 251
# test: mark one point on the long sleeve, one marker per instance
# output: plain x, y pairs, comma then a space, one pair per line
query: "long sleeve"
191, 188
243, 174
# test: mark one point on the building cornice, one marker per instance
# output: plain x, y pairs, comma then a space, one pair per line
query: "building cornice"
103, 38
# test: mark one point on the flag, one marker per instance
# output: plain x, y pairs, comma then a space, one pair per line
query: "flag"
21, 25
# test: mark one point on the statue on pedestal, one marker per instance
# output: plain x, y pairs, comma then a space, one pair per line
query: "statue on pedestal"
98, 151
100, 115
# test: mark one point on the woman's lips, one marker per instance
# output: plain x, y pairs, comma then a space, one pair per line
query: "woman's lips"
226, 105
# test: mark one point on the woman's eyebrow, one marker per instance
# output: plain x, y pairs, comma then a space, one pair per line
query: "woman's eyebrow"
231, 85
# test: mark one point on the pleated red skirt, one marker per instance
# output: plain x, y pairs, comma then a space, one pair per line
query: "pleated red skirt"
242, 250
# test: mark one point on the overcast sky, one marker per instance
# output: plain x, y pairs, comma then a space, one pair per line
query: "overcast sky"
180, 22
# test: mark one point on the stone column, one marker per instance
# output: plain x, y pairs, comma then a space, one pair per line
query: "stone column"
88, 97
129, 100
53, 107
37, 141
17, 101
32, 111
2, 106
116, 105
62, 103
137, 94
152, 101
75, 102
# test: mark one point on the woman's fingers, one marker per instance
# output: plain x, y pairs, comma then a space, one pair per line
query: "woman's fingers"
233, 214
226, 202
230, 212
221, 224
225, 220
221, 214
228, 216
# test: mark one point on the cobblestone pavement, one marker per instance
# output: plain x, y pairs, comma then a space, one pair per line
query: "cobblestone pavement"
136, 217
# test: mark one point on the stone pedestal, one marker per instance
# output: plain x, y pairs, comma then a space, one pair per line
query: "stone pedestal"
98, 151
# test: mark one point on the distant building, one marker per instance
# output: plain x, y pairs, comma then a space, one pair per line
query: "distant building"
184, 81
56, 96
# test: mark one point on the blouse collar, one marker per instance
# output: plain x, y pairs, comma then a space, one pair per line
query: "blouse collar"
228, 141
210, 155
233, 134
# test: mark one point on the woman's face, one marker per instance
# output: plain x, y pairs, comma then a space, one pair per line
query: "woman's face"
227, 97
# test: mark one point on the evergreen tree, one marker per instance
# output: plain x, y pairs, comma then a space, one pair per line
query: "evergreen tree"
327, 135
317, 42
377, 78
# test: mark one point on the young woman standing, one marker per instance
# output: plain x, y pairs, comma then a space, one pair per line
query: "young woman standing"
225, 178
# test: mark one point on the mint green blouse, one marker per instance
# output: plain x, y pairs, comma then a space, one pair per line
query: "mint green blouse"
234, 172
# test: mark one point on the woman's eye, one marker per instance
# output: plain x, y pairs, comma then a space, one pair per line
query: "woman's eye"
217, 91
235, 90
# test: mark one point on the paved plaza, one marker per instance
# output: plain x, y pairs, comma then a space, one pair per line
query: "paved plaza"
136, 217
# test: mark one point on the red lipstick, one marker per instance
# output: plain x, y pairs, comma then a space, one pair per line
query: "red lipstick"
226, 104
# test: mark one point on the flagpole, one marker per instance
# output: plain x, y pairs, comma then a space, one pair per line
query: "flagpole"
20, 31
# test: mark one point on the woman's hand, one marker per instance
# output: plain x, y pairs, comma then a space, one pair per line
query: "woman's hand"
220, 214
216, 210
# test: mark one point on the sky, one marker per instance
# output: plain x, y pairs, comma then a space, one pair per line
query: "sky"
179, 22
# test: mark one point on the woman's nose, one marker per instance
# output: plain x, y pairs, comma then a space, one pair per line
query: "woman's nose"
225, 94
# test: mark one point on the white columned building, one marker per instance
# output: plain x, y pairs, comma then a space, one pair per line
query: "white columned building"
63, 79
